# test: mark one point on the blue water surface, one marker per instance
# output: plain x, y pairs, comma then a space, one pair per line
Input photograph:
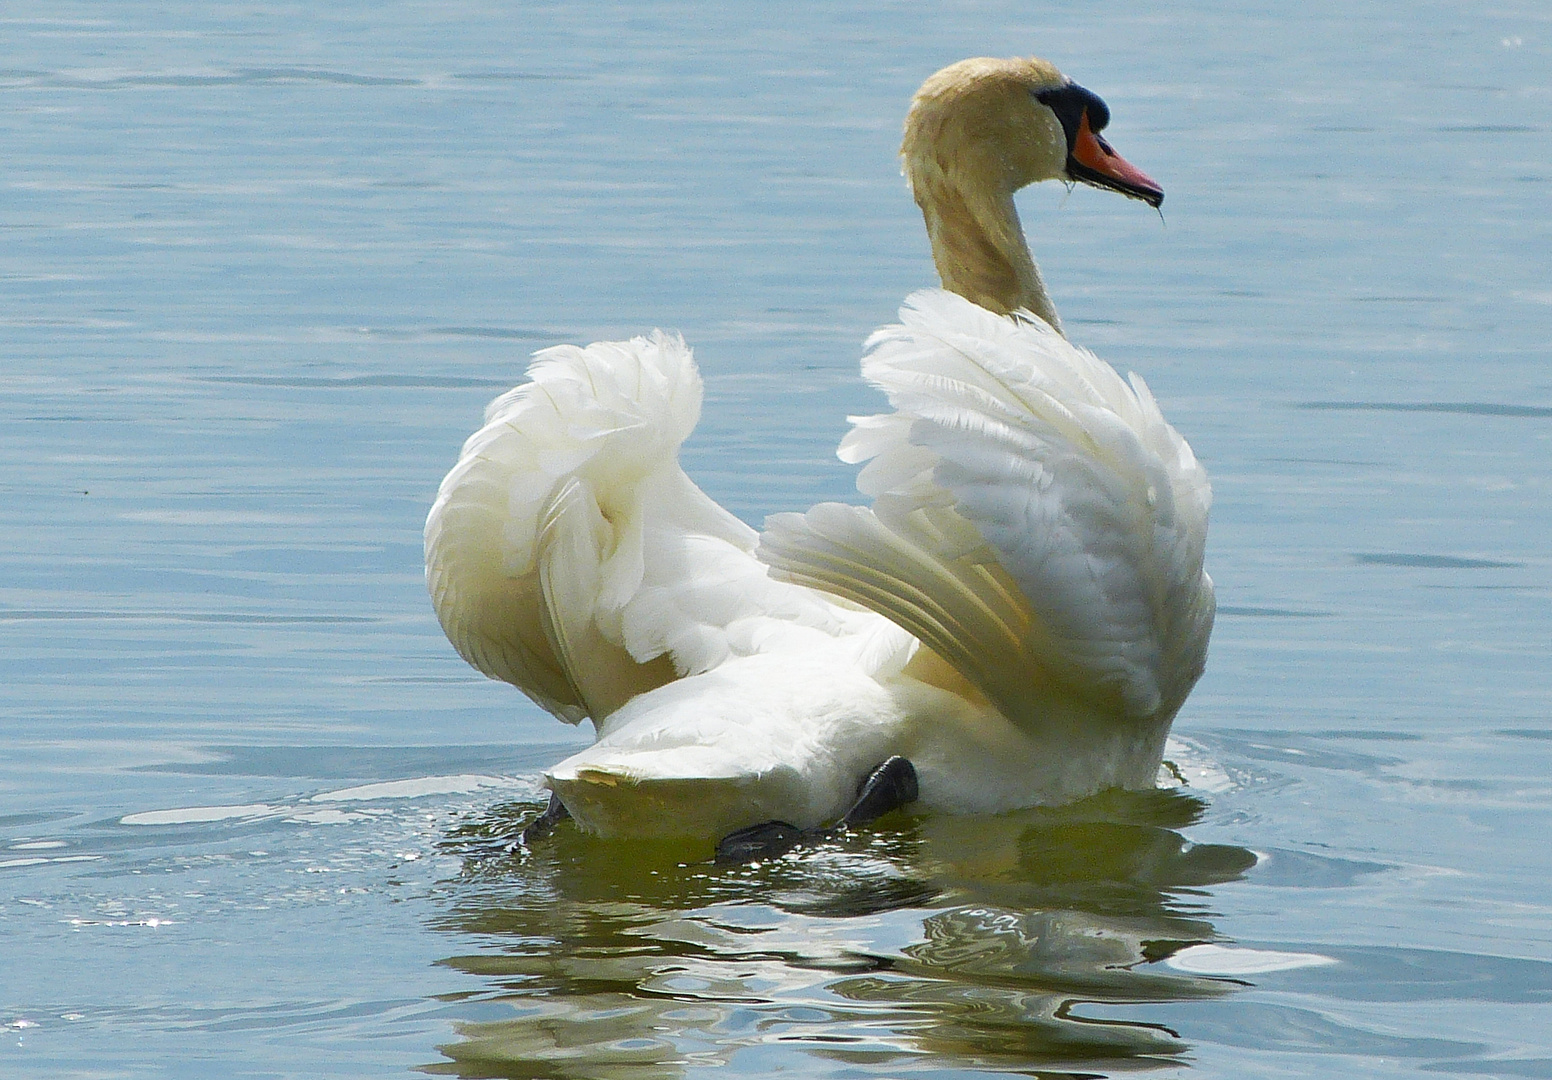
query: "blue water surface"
263, 264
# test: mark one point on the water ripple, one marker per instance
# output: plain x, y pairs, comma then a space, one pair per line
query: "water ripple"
257, 76
1469, 408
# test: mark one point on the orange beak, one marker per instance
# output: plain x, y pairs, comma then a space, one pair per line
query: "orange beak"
1099, 165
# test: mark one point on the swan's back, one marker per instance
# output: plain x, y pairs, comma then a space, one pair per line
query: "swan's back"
1036, 524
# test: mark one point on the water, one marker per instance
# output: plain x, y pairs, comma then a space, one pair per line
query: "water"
264, 264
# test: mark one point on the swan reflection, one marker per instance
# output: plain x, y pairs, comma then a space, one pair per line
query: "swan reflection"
980, 941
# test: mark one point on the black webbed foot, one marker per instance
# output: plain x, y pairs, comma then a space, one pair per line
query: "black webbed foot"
886, 788
541, 826
766, 840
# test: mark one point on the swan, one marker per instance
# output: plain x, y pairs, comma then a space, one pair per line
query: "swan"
1014, 621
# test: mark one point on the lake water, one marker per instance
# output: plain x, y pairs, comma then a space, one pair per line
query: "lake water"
264, 263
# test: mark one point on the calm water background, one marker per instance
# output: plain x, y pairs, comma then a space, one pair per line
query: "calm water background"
262, 266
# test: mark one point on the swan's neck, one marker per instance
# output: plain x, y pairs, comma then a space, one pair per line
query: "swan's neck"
979, 247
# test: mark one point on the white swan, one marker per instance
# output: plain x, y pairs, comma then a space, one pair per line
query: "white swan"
1020, 613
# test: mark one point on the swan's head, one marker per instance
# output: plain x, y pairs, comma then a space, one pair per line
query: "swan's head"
1002, 124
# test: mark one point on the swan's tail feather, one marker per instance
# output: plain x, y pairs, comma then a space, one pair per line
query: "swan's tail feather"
1035, 521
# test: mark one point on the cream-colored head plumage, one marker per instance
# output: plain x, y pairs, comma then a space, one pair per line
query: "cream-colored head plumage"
976, 133
982, 120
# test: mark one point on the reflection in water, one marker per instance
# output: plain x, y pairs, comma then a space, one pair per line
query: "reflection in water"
991, 942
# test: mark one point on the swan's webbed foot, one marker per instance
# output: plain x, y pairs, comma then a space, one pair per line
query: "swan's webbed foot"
766, 840
886, 788
541, 826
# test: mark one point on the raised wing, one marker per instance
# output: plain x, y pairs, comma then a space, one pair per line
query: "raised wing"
589, 424
567, 552
1036, 522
